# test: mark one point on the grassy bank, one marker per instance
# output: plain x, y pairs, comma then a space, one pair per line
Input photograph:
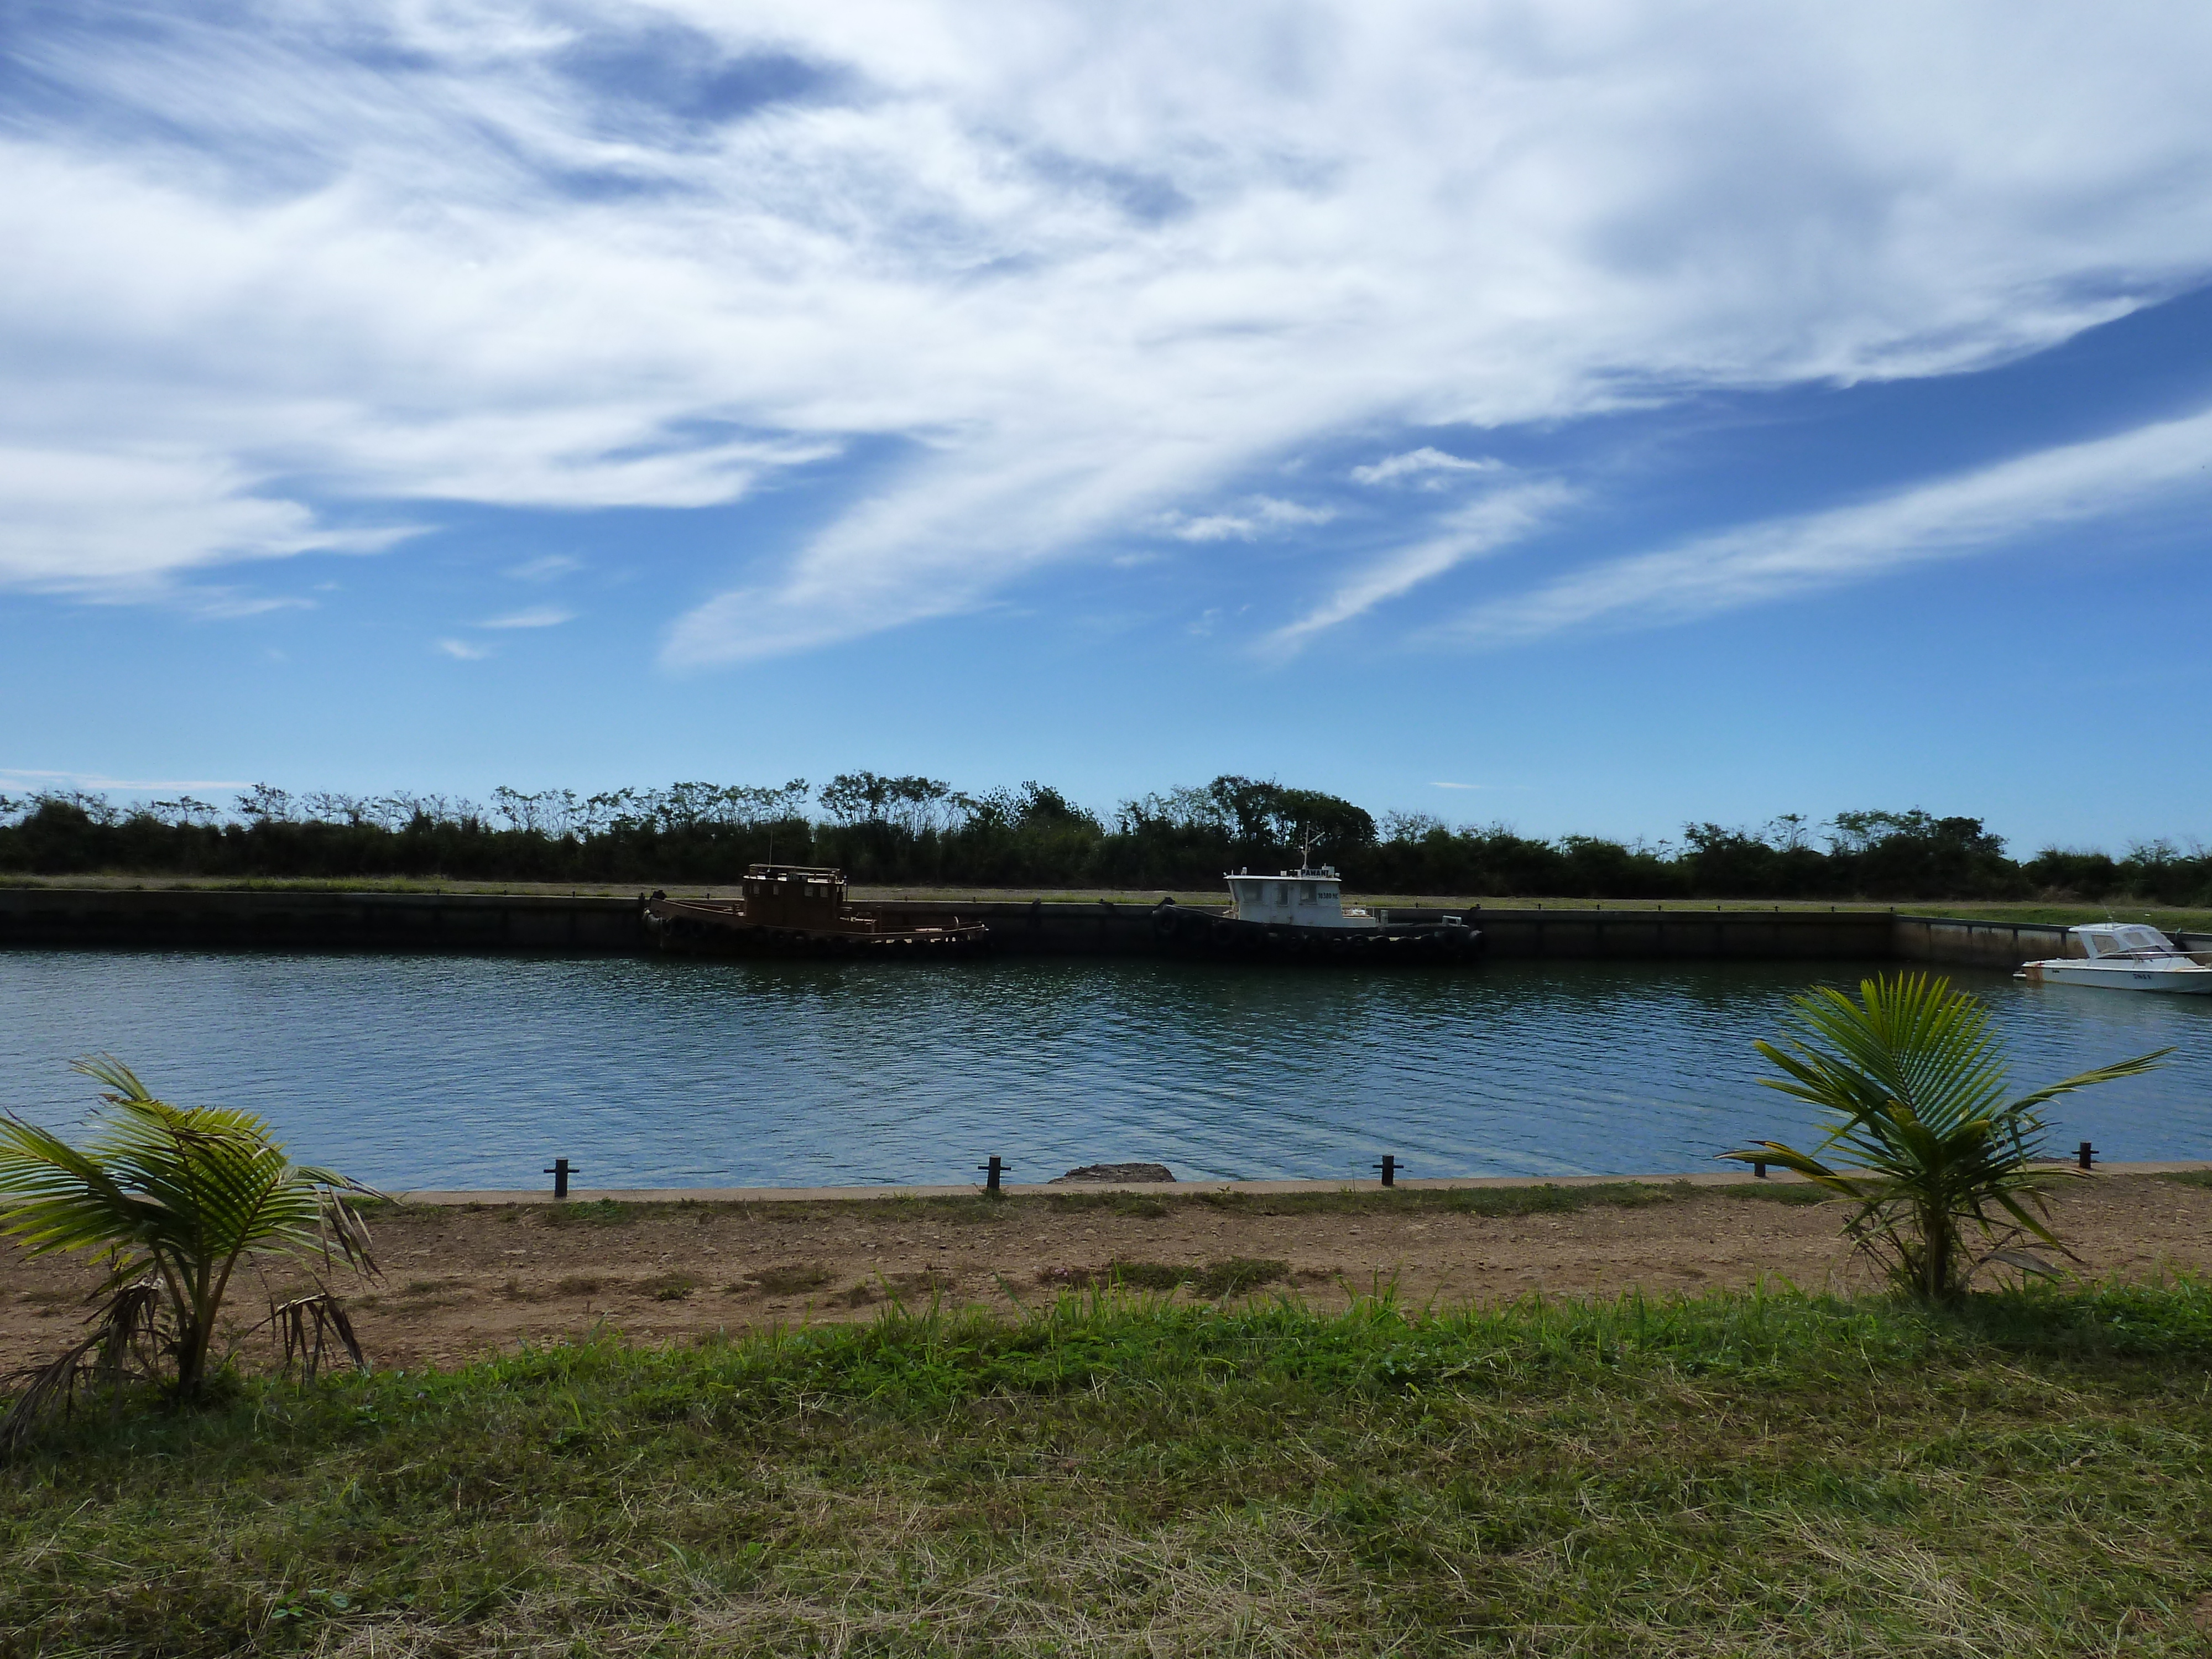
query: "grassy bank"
1732, 1474
2169, 917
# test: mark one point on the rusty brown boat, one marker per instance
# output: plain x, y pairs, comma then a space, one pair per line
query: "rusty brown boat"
797, 910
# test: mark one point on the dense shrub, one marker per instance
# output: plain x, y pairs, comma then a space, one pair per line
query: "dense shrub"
920, 830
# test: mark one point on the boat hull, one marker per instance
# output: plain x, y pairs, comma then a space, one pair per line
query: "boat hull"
2192, 981
720, 929
1180, 931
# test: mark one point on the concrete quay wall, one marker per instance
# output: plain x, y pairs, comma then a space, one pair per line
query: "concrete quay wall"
2006, 944
1106, 928
1746, 935
302, 919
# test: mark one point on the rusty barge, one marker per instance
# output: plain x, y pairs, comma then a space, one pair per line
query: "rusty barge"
797, 910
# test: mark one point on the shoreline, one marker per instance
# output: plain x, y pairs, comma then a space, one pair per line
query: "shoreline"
480, 1275
1162, 1189
2046, 912
507, 922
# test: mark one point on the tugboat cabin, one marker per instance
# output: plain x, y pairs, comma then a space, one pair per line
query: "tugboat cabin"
798, 896
1302, 899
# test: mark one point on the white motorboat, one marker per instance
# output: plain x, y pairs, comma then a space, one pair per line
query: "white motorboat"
2123, 956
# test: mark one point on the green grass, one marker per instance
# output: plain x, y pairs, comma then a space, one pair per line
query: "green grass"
1231, 1276
1762, 1475
1776, 1192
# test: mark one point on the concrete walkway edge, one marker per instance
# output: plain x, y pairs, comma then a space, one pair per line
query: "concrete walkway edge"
1157, 1189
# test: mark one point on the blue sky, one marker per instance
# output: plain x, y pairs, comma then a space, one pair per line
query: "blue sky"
1585, 416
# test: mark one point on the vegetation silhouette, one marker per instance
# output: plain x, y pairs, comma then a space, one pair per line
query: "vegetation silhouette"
917, 830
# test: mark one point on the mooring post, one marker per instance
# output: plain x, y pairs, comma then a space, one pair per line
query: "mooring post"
1758, 1169
1390, 1168
560, 1172
992, 1172
2086, 1157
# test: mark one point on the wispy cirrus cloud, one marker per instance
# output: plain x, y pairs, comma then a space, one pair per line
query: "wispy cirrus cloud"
548, 567
536, 616
125, 524
1426, 464
462, 650
1472, 531
27, 778
1259, 516
2028, 497
277, 260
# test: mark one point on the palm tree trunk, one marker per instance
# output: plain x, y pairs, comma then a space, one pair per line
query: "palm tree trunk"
195, 1332
1936, 1240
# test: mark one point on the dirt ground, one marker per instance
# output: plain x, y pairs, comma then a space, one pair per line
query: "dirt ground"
461, 1282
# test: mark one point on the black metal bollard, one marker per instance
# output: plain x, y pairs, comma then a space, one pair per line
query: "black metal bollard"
1390, 1168
2087, 1156
560, 1172
1758, 1169
992, 1172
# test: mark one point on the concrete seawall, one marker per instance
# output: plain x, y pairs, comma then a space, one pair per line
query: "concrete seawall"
308, 920
2003, 945
200, 917
1107, 929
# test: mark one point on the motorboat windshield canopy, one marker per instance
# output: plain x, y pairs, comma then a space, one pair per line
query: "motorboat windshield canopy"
2124, 938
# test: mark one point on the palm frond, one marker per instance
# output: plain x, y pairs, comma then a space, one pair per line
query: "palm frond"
185, 1192
1911, 1085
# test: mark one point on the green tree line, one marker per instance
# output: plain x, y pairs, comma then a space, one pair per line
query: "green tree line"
917, 830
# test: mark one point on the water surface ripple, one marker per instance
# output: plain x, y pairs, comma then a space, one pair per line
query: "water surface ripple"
473, 1071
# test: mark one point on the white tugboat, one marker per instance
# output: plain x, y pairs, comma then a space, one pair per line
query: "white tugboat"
1306, 898
2123, 956
1300, 913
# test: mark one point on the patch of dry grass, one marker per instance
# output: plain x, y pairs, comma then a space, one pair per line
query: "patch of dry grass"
1731, 1474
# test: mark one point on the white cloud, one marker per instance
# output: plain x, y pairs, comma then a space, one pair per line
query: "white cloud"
1262, 515
1482, 527
122, 524
24, 778
463, 650
2029, 495
1214, 528
537, 616
1417, 463
544, 568
1083, 265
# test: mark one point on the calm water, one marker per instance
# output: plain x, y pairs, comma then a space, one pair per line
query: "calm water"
467, 1072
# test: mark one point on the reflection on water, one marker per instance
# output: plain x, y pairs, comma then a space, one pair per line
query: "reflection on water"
473, 1071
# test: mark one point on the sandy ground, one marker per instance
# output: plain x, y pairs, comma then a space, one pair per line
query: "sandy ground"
459, 1283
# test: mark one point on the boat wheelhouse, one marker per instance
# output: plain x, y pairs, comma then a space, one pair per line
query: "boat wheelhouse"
795, 909
1304, 898
2123, 956
1300, 915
